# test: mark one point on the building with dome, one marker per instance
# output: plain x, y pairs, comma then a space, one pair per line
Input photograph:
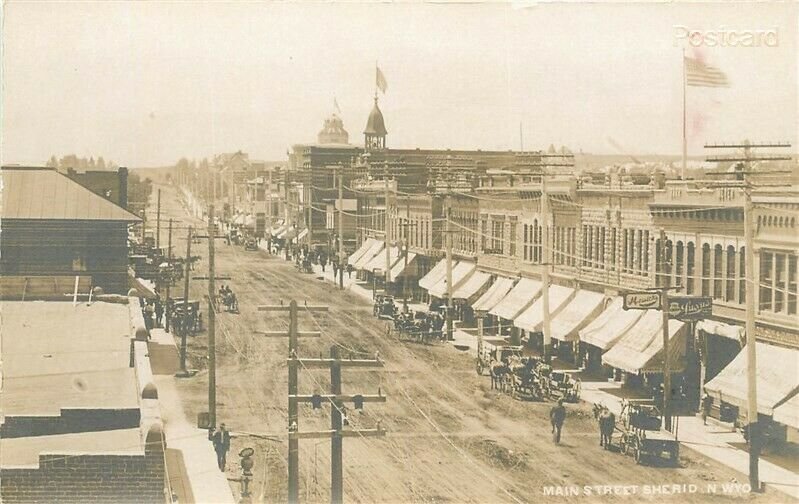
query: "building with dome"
375, 131
333, 131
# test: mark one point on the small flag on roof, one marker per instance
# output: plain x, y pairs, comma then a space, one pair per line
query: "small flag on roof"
698, 74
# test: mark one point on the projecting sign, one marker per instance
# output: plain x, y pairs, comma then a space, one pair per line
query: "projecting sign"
641, 300
690, 307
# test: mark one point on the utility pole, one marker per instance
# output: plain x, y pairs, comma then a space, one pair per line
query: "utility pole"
158, 223
337, 417
169, 283
407, 225
286, 211
388, 227
664, 308
449, 231
211, 321
293, 412
336, 399
751, 344
187, 273
340, 228
547, 327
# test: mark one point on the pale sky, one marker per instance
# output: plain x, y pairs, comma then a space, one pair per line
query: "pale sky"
147, 83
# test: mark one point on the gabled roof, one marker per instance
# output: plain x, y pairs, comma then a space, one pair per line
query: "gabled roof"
45, 194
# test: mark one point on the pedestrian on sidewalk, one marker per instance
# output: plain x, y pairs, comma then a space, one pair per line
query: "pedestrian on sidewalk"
557, 415
159, 312
221, 440
707, 403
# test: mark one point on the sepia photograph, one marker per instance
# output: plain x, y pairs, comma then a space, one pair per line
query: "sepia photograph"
390, 252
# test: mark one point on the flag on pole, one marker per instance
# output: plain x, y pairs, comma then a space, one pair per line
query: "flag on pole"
335, 105
380, 80
698, 74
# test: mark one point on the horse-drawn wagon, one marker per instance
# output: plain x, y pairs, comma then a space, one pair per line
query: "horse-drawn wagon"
641, 435
564, 386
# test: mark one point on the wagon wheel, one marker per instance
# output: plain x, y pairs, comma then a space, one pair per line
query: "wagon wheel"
479, 367
637, 453
623, 444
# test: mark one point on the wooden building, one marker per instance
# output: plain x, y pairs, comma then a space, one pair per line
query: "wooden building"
53, 226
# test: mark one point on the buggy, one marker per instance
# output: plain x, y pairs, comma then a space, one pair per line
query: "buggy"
250, 244
564, 386
488, 354
641, 435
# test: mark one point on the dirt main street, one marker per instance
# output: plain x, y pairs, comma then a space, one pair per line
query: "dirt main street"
450, 437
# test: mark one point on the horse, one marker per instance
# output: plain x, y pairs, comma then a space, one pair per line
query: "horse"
498, 372
607, 424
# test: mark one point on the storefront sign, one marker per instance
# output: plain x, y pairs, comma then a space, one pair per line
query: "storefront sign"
641, 300
690, 307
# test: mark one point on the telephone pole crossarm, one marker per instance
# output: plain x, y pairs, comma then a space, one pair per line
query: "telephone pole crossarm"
371, 398
288, 308
284, 334
326, 363
328, 434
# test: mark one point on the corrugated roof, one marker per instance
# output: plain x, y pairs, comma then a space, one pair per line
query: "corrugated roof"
45, 194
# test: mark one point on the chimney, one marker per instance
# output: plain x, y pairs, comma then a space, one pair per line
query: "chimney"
122, 173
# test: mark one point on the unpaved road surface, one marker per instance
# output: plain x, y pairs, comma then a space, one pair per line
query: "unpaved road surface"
451, 438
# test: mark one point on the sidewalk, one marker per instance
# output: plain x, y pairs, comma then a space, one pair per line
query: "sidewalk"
712, 440
191, 461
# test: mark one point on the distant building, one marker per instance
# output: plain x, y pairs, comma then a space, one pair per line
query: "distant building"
55, 227
333, 131
112, 186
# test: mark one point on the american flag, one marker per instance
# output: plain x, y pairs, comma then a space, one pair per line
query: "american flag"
699, 74
380, 81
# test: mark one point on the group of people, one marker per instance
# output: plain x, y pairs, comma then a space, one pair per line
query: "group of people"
228, 298
153, 311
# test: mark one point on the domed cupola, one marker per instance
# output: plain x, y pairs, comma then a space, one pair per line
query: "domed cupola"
375, 131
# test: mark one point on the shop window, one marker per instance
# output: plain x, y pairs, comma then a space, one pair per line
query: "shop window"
729, 294
679, 256
705, 270
792, 271
718, 268
690, 269
766, 281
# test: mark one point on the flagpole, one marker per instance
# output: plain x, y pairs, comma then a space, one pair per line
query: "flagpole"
684, 135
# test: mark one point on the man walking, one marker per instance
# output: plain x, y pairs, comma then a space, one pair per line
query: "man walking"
221, 440
557, 415
707, 404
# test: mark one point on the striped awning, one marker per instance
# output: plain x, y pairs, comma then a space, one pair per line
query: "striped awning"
583, 307
494, 294
472, 286
366, 245
461, 270
532, 318
433, 276
520, 297
640, 350
375, 249
399, 269
777, 379
610, 325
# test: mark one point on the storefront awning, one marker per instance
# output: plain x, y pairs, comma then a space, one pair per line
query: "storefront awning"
640, 349
460, 272
787, 413
238, 220
532, 318
733, 332
610, 325
302, 234
366, 245
378, 262
583, 308
374, 250
399, 268
519, 298
498, 290
438, 272
473, 286
777, 378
